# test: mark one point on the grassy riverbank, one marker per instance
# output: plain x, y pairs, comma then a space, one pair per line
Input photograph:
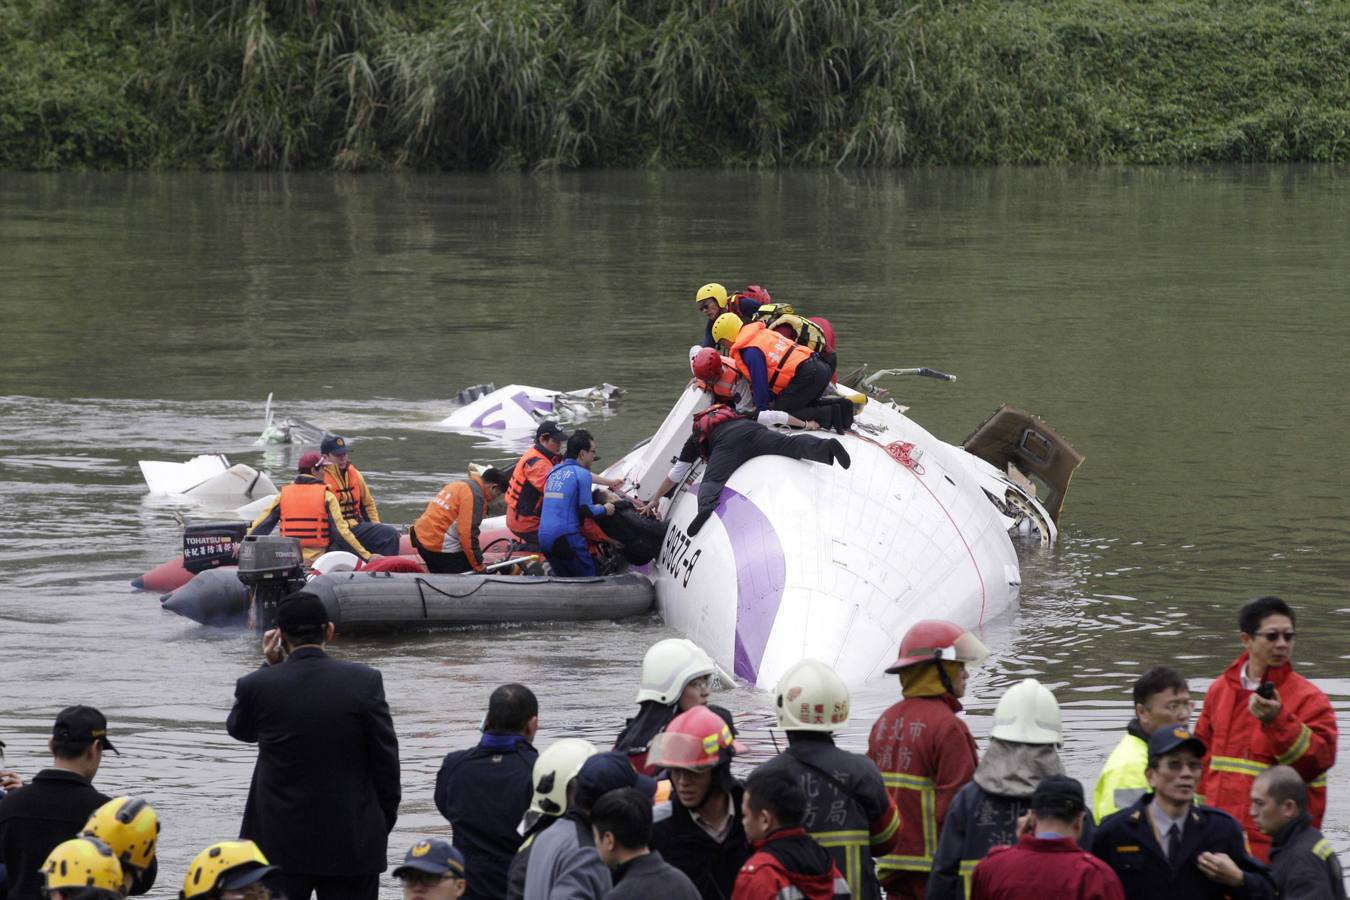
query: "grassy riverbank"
538, 83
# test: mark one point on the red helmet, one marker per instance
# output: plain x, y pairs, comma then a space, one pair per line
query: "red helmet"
934, 639
757, 294
697, 739
707, 364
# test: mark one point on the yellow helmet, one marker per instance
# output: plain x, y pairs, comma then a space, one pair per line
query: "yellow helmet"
726, 327
229, 865
129, 826
83, 863
712, 291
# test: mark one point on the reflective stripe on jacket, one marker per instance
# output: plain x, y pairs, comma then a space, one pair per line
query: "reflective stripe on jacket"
525, 494
781, 355
926, 754
803, 331
1122, 780
451, 520
1303, 735
349, 486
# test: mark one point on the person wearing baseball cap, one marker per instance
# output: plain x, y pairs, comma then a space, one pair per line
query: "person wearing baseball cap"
432, 870
52, 808
525, 490
1047, 852
1165, 845
355, 498
308, 510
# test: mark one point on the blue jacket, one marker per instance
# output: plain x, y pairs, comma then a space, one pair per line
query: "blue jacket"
567, 497
483, 792
1125, 842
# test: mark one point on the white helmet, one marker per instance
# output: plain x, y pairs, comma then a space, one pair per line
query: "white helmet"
811, 697
669, 666
1028, 713
553, 772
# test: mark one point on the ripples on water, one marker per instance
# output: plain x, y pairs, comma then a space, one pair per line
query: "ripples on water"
1181, 331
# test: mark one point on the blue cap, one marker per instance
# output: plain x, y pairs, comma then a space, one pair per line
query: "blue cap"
1171, 738
333, 444
605, 772
433, 856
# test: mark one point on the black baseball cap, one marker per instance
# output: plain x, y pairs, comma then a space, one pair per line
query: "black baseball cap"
550, 429
605, 772
1058, 795
1171, 738
301, 610
333, 444
82, 724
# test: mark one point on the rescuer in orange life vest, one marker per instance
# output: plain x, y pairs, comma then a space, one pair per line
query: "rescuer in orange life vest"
308, 510
358, 504
525, 493
446, 534
783, 375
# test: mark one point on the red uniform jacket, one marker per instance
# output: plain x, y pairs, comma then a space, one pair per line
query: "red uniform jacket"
1303, 735
925, 754
1035, 868
786, 859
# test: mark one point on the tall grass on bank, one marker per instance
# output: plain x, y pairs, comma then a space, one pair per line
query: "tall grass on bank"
562, 83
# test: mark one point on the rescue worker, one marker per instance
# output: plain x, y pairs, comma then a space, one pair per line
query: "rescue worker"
567, 501
355, 498
1260, 713
229, 870
676, 677
563, 861
726, 440
434, 870
307, 509
130, 827
483, 792
924, 751
1166, 847
82, 868
848, 810
787, 862
716, 375
699, 829
783, 375
622, 825
446, 534
712, 300
1023, 750
815, 334
1302, 863
525, 493
1161, 697
1047, 860
554, 778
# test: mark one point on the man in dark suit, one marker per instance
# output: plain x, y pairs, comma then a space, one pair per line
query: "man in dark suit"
325, 790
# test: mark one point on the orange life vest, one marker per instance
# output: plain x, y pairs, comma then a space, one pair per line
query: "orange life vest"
782, 355
533, 468
724, 388
705, 421
304, 513
347, 488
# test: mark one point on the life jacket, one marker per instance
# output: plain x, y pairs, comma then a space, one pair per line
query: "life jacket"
525, 494
346, 486
767, 312
304, 513
724, 388
782, 355
706, 421
804, 331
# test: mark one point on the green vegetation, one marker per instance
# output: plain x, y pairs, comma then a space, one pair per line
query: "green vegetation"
452, 84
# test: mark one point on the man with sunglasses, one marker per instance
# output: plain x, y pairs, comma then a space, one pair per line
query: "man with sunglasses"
1261, 713
1165, 846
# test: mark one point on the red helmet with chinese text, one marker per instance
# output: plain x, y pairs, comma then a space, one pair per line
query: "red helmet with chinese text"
811, 697
935, 639
697, 739
707, 364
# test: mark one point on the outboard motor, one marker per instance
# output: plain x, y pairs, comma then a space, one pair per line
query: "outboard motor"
270, 566
211, 546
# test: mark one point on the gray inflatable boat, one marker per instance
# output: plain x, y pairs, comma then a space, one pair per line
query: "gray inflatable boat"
385, 601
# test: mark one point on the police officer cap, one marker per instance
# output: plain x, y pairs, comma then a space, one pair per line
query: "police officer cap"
1058, 795
301, 610
433, 856
1171, 738
334, 445
550, 429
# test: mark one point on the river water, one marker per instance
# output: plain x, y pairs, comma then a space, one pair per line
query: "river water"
1185, 328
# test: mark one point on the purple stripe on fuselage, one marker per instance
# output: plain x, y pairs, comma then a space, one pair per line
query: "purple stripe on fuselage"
521, 399
761, 573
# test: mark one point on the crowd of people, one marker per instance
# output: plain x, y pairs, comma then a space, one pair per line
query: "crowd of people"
1229, 808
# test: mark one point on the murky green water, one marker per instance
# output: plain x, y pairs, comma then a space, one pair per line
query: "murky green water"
1184, 328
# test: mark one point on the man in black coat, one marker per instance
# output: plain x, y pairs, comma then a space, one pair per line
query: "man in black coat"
325, 789
485, 791
1302, 862
55, 805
